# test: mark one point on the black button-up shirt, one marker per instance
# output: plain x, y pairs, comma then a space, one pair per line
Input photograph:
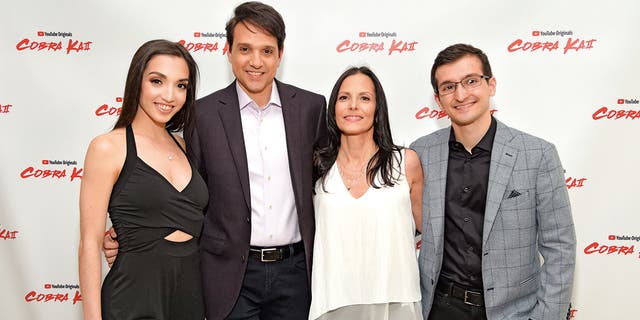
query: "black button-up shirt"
465, 199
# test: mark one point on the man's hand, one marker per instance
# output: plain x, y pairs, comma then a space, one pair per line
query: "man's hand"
110, 246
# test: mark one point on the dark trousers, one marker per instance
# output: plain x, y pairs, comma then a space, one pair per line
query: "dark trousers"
446, 307
274, 290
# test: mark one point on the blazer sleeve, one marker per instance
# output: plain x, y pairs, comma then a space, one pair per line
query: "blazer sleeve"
556, 238
194, 149
321, 126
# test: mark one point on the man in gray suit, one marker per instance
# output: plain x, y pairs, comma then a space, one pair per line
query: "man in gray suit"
495, 199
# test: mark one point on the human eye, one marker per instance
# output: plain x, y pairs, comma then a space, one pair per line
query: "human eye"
447, 87
472, 81
342, 97
183, 85
365, 98
268, 51
243, 49
155, 81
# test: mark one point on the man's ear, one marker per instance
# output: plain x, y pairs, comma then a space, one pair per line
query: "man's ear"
437, 98
492, 86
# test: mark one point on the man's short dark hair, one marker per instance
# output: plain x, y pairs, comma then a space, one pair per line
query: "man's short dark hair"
452, 54
260, 15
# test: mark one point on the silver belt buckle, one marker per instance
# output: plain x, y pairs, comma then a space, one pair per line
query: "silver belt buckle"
466, 301
262, 258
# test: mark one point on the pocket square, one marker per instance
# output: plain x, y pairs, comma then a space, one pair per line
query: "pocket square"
513, 194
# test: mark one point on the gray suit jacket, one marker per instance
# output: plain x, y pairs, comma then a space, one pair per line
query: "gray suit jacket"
527, 214
215, 144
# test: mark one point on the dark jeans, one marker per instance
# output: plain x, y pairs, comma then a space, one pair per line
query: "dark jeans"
274, 290
446, 307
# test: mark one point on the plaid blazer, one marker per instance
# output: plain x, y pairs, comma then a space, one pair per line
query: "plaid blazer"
527, 215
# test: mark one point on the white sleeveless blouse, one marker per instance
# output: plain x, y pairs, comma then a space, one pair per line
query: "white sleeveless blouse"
364, 258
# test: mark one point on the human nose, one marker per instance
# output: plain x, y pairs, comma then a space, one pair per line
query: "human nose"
168, 93
255, 60
352, 104
460, 92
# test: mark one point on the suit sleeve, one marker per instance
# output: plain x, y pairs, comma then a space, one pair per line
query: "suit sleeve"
321, 126
556, 238
194, 150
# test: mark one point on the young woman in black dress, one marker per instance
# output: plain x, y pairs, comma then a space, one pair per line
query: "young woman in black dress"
139, 173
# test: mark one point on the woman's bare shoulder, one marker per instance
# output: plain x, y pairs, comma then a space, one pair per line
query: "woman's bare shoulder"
109, 147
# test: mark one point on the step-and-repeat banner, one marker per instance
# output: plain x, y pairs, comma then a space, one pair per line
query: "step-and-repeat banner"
566, 71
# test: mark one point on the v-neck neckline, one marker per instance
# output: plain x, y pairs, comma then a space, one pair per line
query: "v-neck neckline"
135, 149
336, 171
165, 178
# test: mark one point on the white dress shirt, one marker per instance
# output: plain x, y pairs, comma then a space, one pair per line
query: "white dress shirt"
274, 219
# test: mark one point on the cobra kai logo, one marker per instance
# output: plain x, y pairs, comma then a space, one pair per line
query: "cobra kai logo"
206, 42
371, 42
620, 112
433, 113
5, 108
538, 42
45, 45
55, 295
107, 110
42, 173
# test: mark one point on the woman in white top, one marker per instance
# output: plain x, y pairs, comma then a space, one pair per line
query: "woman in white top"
367, 201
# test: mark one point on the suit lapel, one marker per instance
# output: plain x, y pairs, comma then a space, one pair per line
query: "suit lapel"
293, 132
503, 159
232, 124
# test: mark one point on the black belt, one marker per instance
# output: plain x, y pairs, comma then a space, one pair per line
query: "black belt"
470, 297
272, 254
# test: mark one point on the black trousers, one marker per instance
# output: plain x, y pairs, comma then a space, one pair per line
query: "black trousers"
446, 307
274, 291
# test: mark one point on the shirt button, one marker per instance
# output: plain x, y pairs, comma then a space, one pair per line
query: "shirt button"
242, 258
466, 189
466, 219
269, 178
248, 220
269, 206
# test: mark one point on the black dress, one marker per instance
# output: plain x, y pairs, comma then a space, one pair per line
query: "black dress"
153, 278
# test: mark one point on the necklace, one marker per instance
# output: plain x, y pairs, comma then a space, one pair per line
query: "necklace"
155, 146
351, 180
352, 176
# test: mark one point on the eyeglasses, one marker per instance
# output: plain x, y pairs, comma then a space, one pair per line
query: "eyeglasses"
469, 82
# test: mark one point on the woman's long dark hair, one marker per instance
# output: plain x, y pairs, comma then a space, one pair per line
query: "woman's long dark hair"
131, 98
387, 156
